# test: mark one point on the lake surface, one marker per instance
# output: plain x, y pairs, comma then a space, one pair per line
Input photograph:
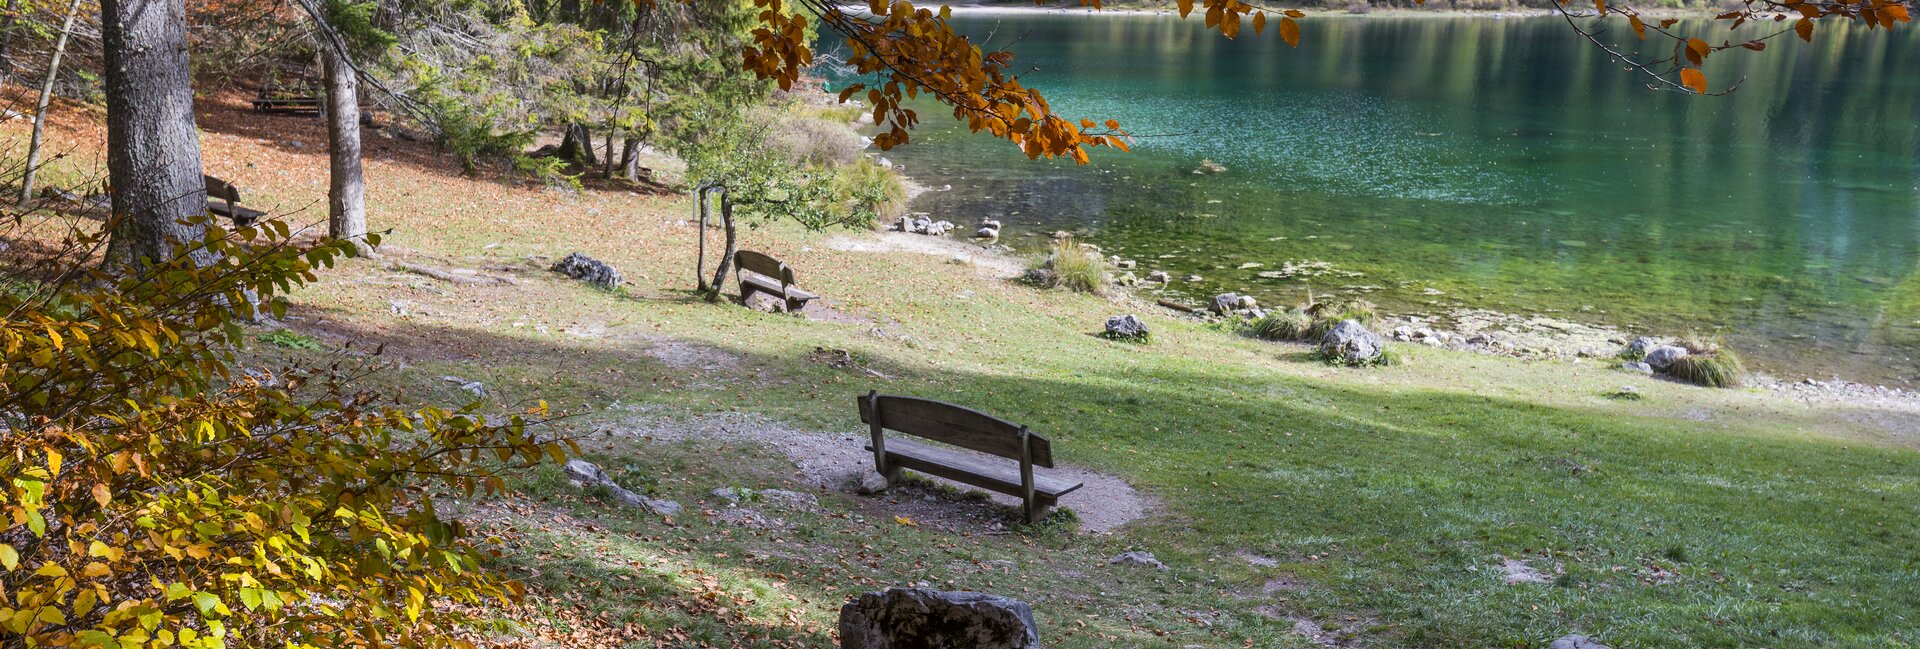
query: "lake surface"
1440, 162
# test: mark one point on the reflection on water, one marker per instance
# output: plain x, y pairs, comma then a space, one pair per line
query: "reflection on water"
1501, 163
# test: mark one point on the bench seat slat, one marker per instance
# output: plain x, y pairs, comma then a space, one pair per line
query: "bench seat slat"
772, 286
972, 469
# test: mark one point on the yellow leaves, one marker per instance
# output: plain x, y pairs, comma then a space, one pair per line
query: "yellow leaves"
102, 493
1259, 22
1694, 80
53, 462
903, 520
1186, 7
1639, 26
9, 557
1290, 31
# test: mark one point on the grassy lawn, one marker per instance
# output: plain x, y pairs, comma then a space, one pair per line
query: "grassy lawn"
1377, 504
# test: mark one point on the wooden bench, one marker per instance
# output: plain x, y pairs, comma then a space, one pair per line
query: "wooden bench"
223, 199
271, 103
969, 429
758, 272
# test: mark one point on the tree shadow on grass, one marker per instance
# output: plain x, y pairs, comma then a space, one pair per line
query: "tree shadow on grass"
1390, 499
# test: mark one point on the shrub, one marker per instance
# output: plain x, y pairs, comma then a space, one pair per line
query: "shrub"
1720, 368
1292, 324
814, 140
157, 494
1073, 267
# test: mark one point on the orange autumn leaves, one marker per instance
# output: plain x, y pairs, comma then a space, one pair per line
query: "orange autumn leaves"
1690, 53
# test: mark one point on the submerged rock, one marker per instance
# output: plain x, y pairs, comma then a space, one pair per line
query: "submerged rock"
923, 618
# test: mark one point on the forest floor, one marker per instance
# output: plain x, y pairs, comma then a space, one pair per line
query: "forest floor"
1458, 499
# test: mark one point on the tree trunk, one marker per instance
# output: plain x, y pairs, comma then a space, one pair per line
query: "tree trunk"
577, 146
726, 254
606, 170
630, 159
8, 25
700, 256
346, 187
153, 148
46, 100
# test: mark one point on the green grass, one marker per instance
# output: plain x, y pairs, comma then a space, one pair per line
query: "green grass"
1291, 324
289, 339
1717, 369
1073, 267
1696, 518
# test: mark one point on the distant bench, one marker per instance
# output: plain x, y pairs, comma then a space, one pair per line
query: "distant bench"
286, 104
760, 273
969, 429
223, 199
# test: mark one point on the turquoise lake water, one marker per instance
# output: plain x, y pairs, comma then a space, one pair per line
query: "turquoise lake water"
1500, 163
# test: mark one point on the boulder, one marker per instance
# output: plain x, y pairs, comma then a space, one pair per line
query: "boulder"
923, 618
1127, 327
1637, 366
1247, 302
765, 302
987, 233
1641, 346
1576, 642
1663, 356
1127, 279
941, 227
990, 223
1160, 276
1224, 303
589, 270
1350, 342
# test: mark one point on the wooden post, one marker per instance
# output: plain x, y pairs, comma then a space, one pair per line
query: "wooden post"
1033, 510
879, 436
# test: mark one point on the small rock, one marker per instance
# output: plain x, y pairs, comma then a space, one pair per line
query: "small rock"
990, 223
1518, 572
1208, 166
1663, 356
987, 233
765, 302
1637, 366
1576, 642
883, 162
1062, 234
1160, 276
1126, 327
1247, 302
920, 618
1137, 558
1480, 339
1195, 279
1126, 264
871, 483
475, 387
1402, 333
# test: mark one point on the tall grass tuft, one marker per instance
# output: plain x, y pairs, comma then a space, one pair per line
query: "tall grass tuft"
1073, 267
1292, 324
1719, 368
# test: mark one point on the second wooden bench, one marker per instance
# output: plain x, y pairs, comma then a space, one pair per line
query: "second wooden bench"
969, 429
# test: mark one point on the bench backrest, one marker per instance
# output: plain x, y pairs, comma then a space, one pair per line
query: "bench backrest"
220, 189
750, 261
957, 425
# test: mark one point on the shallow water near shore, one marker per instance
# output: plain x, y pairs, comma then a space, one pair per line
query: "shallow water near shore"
1427, 164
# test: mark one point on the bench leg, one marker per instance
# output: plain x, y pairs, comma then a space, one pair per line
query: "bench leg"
1037, 510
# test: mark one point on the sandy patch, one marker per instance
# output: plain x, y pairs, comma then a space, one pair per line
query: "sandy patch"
984, 262
836, 460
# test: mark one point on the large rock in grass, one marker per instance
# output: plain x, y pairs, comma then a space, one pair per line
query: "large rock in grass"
1576, 642
1663, 356
921, 618
1641, 346
589, 270
588, 475
1352, 343
1224, 303
1126, 327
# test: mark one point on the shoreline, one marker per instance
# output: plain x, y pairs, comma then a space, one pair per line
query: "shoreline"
1321, 12
1524, 336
